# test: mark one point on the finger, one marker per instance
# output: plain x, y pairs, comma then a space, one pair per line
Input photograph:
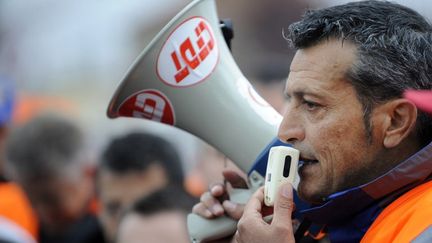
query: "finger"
217, 189
234, 210
254, 205
212, 204
283, 207
201, 210
235, 179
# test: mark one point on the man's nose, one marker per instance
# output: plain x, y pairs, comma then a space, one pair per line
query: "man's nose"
291, 129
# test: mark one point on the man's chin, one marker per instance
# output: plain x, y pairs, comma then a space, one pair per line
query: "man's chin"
308, 194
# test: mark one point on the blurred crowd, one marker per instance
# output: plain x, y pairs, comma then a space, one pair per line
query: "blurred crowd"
53, 190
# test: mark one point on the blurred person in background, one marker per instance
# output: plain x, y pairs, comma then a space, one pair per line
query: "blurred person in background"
17, 220
133, 166
157, 218
47, 156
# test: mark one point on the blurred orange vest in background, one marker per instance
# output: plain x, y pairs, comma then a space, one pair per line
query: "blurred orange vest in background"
15, 206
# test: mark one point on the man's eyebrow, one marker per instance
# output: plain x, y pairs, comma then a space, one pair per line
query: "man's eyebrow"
300, 94
297, 95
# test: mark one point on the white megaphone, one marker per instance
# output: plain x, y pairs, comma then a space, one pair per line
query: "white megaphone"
186, 77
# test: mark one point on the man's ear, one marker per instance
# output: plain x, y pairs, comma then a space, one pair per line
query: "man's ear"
400, 121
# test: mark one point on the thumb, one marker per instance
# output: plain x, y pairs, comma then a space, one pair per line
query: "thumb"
283, 207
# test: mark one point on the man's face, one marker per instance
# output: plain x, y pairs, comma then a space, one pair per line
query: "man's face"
118, 191
169, 226
324, 120
59, 201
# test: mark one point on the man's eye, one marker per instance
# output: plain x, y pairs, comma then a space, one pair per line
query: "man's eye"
310, 105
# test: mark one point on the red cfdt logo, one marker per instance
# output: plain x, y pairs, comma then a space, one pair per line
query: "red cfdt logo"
189, 55
148, 104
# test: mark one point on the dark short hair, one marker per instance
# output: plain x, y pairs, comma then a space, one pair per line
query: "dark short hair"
394, 45
45, 146
136, 151
166, 199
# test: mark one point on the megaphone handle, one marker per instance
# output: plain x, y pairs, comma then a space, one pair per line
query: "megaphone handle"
201, 229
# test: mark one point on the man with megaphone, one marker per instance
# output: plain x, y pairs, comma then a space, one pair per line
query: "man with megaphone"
365, 148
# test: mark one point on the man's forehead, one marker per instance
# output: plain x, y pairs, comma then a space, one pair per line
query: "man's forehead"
321, 67
328, 54
304, 84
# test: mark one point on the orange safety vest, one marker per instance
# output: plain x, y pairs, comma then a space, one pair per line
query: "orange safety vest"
15, 206
405, 218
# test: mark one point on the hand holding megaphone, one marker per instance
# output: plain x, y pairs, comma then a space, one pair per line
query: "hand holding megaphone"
216, 216
216, 201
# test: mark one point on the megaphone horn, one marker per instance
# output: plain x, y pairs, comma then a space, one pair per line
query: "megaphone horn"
186, 77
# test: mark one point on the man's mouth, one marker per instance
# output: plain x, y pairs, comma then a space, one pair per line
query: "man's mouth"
305, 161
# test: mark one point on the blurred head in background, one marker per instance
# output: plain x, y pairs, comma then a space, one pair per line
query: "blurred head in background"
157, 218
132, 166
47, 157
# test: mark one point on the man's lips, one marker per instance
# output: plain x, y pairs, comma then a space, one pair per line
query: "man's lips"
306, 161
